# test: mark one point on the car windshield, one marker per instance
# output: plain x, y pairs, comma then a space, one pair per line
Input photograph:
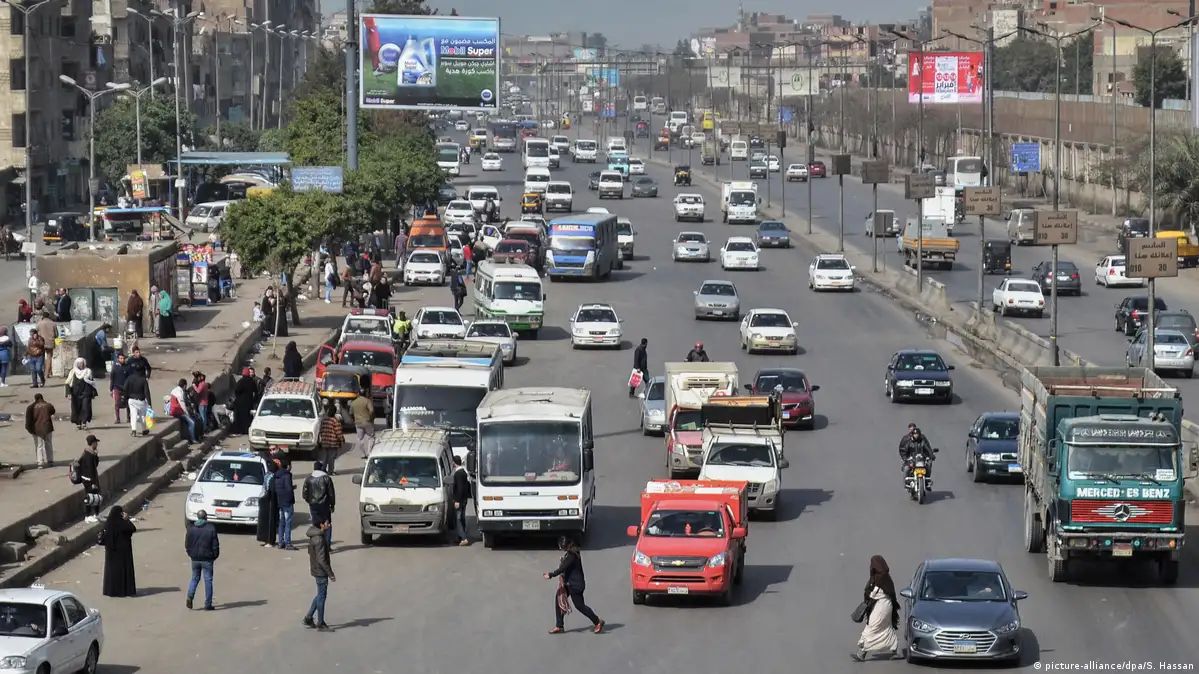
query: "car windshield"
1023, 287
490, 330
572, 243
645, 182
657, 391
688, 420
797, 167
202, 211
1084, 460
517, 290
530, 452
624, 228
512, 247
685, 524
959, 586
743, 199
531, 238
832, 263
441, 318
739, 246
370, 359
691, 200
770, 321
692, 238
558, 189
402, 472
1000, 429
585, 145
920, 361
970, 165
427, 241
22, 620
484, 195
725, 289
241, 472
286, 407
424, 258
740, 454
366, 326
788, 382
772, 226
595, 316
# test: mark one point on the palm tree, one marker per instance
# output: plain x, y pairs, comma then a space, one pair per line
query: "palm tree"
1178, 178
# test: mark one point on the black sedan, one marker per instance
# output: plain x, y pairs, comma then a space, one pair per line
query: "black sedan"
593, 181
962, 609
446, 194
991, 446
918, 374
645, 187
756, 141
1132, 312
1069, 282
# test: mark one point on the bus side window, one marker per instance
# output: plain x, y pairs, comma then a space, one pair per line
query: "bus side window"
587, 428
478, 282
487, 289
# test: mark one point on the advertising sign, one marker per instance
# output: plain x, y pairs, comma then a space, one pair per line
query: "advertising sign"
719, 76
320, 178
1152, 258
983, 201
1052, 228
797, 82
437, 62
919, 186
945, 77
609, 75
584, 54
1026, 157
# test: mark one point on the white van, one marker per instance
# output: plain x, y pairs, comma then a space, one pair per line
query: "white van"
537, 179
207, 217
537, 153
640, 103
616, 145
406, 484
511, 293
559, 196
738, 150
677, 119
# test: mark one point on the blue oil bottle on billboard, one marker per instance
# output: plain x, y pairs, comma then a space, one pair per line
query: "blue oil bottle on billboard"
389, 58
418, 63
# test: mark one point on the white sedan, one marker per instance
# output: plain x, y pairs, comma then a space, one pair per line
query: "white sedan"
689, 206
797, 173
595, 325
227, 488
1111, 272
636, 166
461, 125
495, 332
424, 267
493, 162
45, 630
458, 212
1018, 295
769, 330
739, 252
773, 164
830, 272
438, 323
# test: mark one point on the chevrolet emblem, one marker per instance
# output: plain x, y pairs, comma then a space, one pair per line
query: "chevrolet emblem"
677, 562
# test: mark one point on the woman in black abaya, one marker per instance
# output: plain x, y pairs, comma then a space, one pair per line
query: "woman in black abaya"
268, 508
244, 393
117, 539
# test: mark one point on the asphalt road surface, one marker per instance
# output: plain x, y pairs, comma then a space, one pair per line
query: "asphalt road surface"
417, 606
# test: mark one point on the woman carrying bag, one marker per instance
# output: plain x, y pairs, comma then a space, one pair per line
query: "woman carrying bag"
880, 610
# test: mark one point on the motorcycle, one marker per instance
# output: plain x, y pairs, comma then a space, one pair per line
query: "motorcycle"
917, 480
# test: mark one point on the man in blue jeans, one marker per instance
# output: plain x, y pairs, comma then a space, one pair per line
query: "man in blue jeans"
285, 495
202, 548
321, 568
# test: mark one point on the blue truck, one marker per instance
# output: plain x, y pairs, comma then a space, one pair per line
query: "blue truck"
1104, 464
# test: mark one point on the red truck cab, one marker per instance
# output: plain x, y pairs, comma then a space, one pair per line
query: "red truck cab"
691, 539
378, 355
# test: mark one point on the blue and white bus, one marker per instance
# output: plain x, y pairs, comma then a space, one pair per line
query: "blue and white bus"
583, 245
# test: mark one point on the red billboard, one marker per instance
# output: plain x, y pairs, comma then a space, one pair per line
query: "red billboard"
945, 77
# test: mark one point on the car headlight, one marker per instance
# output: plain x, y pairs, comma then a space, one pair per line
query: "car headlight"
640, 558
13, 662
905, 382
195, 497
433, 508
579, 333
257, 433
771, 486
755, 335
306, 437
990, 456
942, 383
370, 508
1008, 628
614, 332
681, 249
251, 502
821, 277
919, 625
716, 561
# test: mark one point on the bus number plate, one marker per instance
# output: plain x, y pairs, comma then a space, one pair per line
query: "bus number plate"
531, 525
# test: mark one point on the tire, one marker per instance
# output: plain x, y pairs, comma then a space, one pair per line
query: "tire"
969, 461
1040, 314
920, 490
638, 598
533, 334
1034, 529
1167, 571
976, 474
92, 663
725, 598
489, 540
1189, 374
771, 515
366, 539
1059, 569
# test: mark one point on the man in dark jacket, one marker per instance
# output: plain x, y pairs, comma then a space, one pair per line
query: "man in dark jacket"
203, 548
87, 466
697, 355
137, 393
320, 496
285, 493
573, 584
460, 492
39, 423
62, 307
139, 363
640, 363
321, 568
116, 385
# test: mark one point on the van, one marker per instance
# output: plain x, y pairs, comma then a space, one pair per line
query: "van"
406, 485
537, 153
511, 293
738, 150
559, 195
479, 194
1021, 226
616, 144
537, 179
425, 234
611, 184
207, 217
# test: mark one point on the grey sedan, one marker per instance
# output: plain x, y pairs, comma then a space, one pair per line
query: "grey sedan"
645, 187
717, 299
962, 609
691, 246
652, 395
771, 234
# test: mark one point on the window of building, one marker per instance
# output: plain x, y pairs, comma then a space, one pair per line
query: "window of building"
68, 125
66, 28
18, 130
16, 21
16, 74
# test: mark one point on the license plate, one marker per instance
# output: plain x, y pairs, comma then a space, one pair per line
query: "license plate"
786, 415
224, 511
678, 590
717, 313
1063, 277
597, 339
400, 528
1014, 468
1122, 550
924, 391
531, 525
965, 647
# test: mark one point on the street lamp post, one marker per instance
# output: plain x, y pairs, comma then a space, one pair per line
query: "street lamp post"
137, 94
109, 88
149, 17
811, 127
265, 27
281, 34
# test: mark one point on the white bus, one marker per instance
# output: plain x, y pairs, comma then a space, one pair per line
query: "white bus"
536, 464
537, 152
511, 293
962, 172
448, 155
443, 395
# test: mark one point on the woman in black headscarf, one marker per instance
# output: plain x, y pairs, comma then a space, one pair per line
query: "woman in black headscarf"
244, 393
293, 362
268, 507
881, 631
117, 539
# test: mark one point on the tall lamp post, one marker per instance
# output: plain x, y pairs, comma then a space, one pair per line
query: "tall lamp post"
136, 95
109, 88
280, 33
149, 16
265, 29
179, 21
1150, 337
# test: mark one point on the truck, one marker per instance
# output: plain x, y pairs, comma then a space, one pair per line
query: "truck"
944, 206
937, 246
688, 386
690, 539
743, 440
1103, 462
710, 153
739, 201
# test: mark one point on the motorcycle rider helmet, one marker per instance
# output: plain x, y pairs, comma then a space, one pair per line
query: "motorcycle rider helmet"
699, 346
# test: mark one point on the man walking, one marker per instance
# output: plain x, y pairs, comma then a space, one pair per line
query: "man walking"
321, 497
203, 547
87, 469
39, 422
48, 329
331, 437
458, 290
139, 363
117, 380
137, 393
35, 350
363, 410
321, 568
285, 495
640, 363
330, 279
460, 491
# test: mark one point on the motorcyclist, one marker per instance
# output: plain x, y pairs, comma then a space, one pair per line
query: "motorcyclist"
697, 354
401, 327
914, 445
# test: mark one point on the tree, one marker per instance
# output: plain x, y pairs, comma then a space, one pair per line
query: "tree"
1025, 64
1170, 77
315, 135
399, 7
1078, 57
236, 137
682, 48
116, 134
1177, 178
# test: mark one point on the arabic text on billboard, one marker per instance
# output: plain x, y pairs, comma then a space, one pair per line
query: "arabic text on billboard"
429, 62
945, 77
584, 54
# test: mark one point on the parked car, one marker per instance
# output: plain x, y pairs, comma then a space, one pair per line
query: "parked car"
48, 630
227, 487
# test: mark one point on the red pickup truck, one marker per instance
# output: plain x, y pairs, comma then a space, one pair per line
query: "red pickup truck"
691, 539
376, 355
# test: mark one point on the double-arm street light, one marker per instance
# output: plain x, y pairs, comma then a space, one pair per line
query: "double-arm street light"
231, 21
136, 95
281, 33
179, 21
149, 16
109, 88
265, 29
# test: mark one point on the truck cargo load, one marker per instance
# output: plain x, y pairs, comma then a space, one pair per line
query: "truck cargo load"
937, 246
743, 440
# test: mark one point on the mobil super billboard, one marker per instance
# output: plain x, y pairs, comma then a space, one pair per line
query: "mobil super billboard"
945, 77
429, 62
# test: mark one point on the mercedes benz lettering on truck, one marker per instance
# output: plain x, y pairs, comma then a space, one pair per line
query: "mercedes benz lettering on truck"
536, 463
443, 394
537, 153
743, 440
690, 539
688, 387
583, 245
1104, 467
739, 201
447, 158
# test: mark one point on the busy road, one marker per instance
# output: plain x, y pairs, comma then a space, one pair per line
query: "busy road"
424, 607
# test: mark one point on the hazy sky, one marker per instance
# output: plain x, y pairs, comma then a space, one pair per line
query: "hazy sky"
631, 23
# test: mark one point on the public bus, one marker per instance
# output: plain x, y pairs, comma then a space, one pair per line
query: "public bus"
448, 155
537, 152
583, 245
511, 293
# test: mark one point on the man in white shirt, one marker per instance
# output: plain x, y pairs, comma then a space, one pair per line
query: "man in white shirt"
330, 279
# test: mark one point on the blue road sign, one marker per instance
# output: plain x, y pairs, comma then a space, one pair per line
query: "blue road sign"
786, 115
609, 110
323, 178
1026, 157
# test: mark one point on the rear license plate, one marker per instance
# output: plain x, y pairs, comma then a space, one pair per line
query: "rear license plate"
717, 313
678, 590
1014, 468
924, 391
1122, 550
965, 647
531, 525
224, 512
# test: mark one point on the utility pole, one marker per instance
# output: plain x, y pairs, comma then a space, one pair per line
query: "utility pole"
353, 35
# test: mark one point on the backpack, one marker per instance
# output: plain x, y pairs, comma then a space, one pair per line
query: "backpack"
73, 473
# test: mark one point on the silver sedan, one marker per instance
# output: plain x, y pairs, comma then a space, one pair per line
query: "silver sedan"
717, 299
691, 246
1171, 351
652, 395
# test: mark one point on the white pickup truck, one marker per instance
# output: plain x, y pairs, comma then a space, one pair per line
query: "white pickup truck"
743, 440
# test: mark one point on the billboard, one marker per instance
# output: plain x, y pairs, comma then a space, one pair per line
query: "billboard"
945, 77
797, 82
609, 75
410, 61
585, 53
719, 76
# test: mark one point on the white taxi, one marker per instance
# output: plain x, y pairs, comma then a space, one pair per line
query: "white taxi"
458, 212
438, 323
830, 272
227, 488
595, 325
689, 206
492, 161
288, 417
369, 323
424, 267
1018, 295
739, 252
773, 163
769, 330
636, 166
44, 630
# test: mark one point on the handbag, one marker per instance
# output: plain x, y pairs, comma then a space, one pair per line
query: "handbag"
635, 378
862, 611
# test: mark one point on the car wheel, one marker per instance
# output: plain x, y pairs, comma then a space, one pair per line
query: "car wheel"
489, 540
92, 663
366, 539
1189, 374
638, 598
1119, 328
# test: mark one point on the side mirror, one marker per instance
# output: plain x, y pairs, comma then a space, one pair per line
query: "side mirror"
59, 631
1019, 595
784, 464
641, 395
356, 479
936, 450
972, 434
695, 292
1193, 462
588, 458
950, 367
739, 533
633, 531
794, 324
907, 593
544, 296
749, 387
815, 388
253, 413
515, 336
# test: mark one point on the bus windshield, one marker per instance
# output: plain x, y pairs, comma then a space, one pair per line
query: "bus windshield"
572, 243
537, 149
419, 406
448, 153
513, 290
530, 452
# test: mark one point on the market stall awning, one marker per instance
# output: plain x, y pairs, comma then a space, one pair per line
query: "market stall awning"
235, 159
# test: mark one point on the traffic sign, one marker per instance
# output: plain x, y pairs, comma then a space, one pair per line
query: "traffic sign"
875, 172
919, 186
883, 222
1026, 157
841, 164
983, 201
1055, 228
1152, 258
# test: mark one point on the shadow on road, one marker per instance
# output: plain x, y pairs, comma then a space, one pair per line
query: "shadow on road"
151, 591
240, 604
361, 622
759, 578
794, 502
609, 526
